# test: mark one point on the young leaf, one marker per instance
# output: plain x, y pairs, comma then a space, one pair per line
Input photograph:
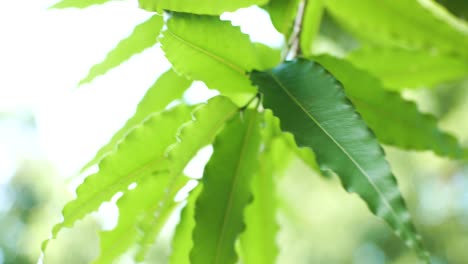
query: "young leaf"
227, 53
268, 57
401, 68
140, 154
310, 25
78, 3
154, 219
143, 36
282, 14
182, 241
201, 7
207, 120
258, 242
311, 104
394, 120
167, 88
226, 190
133, 206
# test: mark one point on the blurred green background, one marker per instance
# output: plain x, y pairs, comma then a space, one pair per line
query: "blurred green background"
320, 222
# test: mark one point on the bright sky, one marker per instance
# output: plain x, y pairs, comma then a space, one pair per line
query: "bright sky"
44, 53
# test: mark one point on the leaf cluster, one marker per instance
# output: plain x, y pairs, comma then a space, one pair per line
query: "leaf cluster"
334, 113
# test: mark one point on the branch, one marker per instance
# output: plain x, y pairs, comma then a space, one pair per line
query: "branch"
294, 47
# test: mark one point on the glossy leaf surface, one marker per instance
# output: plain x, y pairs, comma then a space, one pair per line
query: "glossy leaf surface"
312, 106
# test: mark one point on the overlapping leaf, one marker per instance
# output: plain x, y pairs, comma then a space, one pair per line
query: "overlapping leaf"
282, 14
79, 3
182, 241
207, 120
268, 57
400, 68
167, 88
394, 120
258, 241
401, 23
226, 53
311, 25
226, 190
143, 36
312, 105
133, 207
201, 7
140, 154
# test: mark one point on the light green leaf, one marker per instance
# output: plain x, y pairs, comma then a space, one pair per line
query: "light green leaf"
207, 120
182, 241
258, 241
167, 88
394, 120
140, 154
153, 220
310, 25
143, 36
282, 14
221, 61
201, 7
226, 190
78, 3
400, 68
133, 207
268, 57
312, 105
400, 23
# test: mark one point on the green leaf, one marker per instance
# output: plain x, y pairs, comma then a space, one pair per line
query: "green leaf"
207, 120
311, 25
221, 61
282, 14
267, 56
201, 7
140, 154
182, 241
167, 88
153, 220
78, 3
400, 23
258, 241
400, 68
283, 145
143, 36
133, 207
226, 190
311, 104
394, 120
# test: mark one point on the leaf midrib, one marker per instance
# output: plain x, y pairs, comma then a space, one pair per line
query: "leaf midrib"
218, 58
294, 99
246, 139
